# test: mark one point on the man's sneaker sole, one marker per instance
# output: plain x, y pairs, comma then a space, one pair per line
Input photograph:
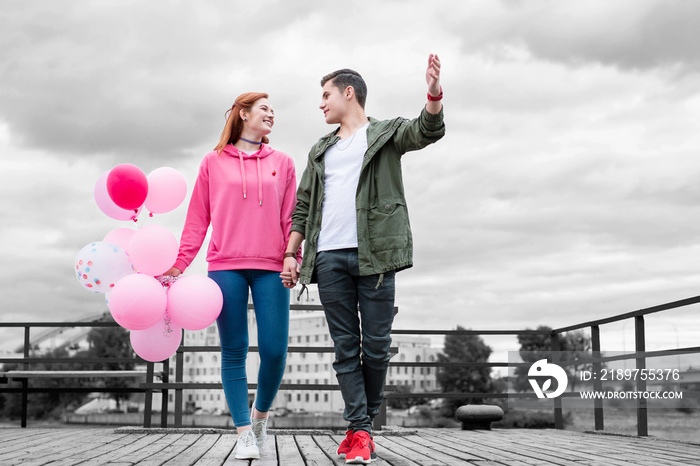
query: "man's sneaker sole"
358, 460
343, 455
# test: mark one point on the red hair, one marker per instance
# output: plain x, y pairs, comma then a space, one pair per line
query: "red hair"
234, 123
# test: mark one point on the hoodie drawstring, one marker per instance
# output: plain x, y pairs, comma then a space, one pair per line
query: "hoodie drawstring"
245, 182
259, 181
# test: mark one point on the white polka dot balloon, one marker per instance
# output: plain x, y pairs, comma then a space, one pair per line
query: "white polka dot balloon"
100, 265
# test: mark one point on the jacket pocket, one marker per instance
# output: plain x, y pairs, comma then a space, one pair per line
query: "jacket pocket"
388, 225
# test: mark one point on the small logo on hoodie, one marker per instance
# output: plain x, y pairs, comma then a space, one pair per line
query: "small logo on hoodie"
274, 172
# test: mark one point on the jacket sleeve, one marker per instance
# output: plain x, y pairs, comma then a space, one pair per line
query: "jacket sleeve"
289, 203
420, 132
197, 221
301, 212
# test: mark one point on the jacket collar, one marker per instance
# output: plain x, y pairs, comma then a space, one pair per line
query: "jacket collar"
377, 129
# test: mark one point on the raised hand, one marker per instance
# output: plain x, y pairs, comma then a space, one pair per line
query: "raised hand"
432, 75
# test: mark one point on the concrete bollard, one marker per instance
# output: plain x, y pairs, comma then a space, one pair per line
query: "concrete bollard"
478, 416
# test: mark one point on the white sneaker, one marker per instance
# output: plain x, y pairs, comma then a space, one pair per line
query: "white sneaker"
246, 447
260, 430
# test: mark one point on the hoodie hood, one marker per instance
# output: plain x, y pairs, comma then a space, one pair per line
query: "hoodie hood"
265, 150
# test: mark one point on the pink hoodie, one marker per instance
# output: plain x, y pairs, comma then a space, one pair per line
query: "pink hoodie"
248, 199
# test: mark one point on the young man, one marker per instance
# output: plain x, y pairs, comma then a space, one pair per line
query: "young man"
352, 212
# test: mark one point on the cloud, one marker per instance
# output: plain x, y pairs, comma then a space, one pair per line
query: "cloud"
124, 79
129, 81
631, 34
558, 192
565, 187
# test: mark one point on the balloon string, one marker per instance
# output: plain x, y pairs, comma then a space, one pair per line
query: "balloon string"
168, 328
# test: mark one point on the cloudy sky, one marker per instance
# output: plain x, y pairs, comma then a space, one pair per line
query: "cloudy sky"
567, 186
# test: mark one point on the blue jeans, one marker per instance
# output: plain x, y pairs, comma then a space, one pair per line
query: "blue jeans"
271, 301
361, 340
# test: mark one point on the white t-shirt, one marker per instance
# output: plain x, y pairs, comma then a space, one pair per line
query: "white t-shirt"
343, 166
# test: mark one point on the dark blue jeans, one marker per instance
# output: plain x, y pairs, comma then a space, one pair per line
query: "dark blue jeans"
271, 300
361, 339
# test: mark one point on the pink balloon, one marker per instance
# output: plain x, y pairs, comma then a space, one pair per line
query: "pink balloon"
127, 186
107, 205
167, 189
120, 237
194, 302
137, 301
159, 342
153, 250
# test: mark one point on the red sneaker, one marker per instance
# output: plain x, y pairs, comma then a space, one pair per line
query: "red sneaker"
346, 445
362, 449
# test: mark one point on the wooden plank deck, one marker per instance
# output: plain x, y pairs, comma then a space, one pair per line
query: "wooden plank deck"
214, 447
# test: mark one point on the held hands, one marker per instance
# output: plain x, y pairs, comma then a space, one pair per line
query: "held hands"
290, 272
432, 75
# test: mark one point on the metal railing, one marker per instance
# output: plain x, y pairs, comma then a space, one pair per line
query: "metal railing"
640, 356
178, 385
27, 361
596, 359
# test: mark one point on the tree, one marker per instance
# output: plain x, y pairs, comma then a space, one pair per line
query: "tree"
572, 345
578, 346
464, 348
111, 342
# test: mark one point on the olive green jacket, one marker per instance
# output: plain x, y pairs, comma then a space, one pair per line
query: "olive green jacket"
383, 229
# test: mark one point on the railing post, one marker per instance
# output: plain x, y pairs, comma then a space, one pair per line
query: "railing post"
179, 369
148, 402
558, 416
164, 395
380, 420
597, 383
25, 382
640, 347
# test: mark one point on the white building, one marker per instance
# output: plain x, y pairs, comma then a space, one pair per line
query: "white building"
306, 329
203, 367
414, 349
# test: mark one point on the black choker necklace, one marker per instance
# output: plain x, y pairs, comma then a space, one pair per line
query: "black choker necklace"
251, 142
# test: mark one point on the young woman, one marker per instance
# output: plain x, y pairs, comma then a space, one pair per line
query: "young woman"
247, 191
